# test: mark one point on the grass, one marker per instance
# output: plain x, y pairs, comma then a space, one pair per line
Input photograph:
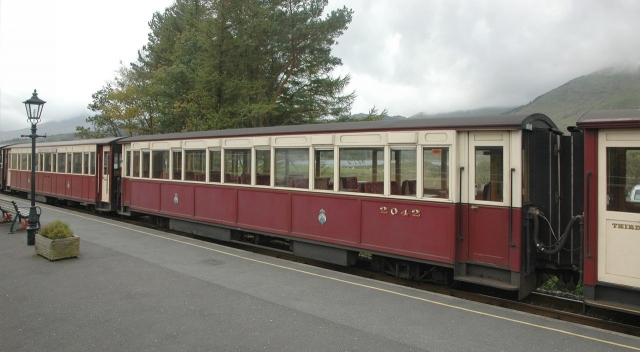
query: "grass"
555, 285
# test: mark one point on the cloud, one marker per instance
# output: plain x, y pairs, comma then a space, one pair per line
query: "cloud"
432, 56
67, 50
408, 56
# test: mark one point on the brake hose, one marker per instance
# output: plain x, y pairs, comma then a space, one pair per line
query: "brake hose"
563, 239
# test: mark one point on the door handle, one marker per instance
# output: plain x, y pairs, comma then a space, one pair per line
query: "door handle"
474, 207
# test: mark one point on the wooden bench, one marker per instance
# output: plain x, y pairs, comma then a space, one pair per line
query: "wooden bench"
5, 210
21, 213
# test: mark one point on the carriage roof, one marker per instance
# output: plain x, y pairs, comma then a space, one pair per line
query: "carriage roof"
509, 122
610, 119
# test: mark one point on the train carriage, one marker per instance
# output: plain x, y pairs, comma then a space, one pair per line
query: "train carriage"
82, 171
496, 200
4, 164
434, 199
612, 209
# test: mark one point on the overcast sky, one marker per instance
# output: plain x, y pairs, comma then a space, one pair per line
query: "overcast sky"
407, 56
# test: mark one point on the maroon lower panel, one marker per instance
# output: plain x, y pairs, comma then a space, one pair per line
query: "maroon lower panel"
145, 195
489, 235
341, 218
423, 230
216, 204
177, 199
264, 210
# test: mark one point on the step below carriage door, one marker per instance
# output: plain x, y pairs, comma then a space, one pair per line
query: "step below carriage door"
489, 198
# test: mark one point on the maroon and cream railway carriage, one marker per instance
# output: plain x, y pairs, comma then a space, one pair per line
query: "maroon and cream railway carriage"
82, 171
432, 199
612, 209
4, 164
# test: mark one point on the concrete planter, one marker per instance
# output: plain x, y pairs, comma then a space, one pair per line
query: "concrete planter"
59, 248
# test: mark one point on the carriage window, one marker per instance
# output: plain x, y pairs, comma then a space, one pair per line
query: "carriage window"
146, 163
292, 167
263, 167
362, 170
136, 164
77, 163
92, 163
488, 177
127, 163
215, 163
323, 169
47, 162
194, 165
53, 162
435, 176
160, 164
69, 163
403, 171
623, 179
176, 166
62, 161
237, 166
14, 161
117, 160
105, 163
40, 166
85, 163
24, 161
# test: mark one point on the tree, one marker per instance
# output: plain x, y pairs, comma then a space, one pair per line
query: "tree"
120, 107
215, 64
373, 115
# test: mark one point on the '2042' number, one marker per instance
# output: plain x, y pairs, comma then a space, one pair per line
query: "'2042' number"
394, 211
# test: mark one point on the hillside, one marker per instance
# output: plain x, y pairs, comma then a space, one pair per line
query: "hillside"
53, 129
466, 113
607, 89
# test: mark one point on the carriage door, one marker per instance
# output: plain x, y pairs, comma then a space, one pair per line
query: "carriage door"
105, 174
619, 208
489, 198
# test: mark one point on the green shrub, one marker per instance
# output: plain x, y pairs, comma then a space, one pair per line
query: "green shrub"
56, 229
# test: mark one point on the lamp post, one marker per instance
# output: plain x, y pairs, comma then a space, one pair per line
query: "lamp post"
34, 109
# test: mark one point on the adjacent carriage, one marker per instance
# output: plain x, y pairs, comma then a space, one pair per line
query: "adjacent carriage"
83, 171
4, 164
612, 210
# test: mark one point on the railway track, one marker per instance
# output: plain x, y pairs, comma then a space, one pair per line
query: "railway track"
536, 303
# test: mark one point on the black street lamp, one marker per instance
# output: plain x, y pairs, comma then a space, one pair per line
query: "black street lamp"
34, 110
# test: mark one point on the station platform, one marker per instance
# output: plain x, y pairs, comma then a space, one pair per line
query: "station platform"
136, 289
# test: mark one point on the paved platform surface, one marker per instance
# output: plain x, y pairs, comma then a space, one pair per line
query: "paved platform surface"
135, 289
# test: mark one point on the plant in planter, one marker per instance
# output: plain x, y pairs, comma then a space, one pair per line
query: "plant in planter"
56, 241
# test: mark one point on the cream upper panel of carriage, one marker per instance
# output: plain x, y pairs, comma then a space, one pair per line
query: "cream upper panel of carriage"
76, 148
58, 149
445, 137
